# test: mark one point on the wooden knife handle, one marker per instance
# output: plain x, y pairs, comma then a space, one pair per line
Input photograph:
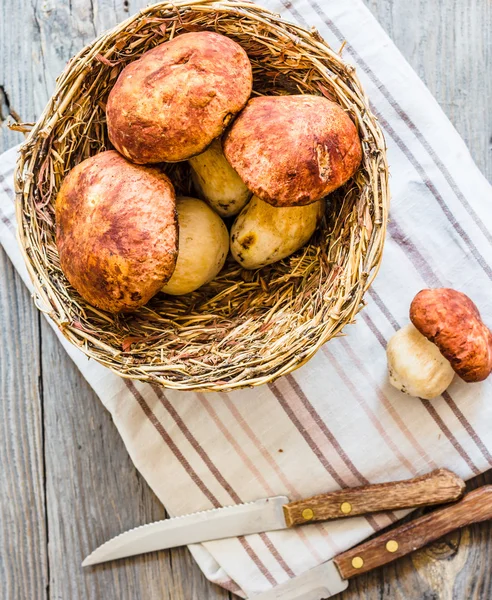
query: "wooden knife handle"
474, 508
434, 488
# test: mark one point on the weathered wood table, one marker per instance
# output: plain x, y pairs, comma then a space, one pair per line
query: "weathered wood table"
66, 480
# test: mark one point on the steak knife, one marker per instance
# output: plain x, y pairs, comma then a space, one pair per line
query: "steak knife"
333, 577
273, 514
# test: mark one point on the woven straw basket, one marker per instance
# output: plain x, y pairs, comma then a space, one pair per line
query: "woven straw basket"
245, 328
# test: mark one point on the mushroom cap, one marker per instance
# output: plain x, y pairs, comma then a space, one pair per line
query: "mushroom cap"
293, 150
451, 320
116, 231
176, 98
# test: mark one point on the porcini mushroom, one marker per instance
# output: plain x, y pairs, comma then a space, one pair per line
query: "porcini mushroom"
293, 150
116, 231
176, 98
447, 336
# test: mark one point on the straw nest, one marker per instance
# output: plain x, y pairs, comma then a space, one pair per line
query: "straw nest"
245, 328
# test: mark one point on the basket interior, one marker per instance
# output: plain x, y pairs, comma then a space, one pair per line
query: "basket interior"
246, 327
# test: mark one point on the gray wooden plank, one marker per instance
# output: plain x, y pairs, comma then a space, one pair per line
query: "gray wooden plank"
15, 80
23, 535
449, 44
23, 556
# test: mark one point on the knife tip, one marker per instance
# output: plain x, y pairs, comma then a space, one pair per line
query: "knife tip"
88, 561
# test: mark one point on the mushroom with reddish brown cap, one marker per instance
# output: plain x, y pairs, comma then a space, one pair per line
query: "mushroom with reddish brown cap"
447, 336
116, 231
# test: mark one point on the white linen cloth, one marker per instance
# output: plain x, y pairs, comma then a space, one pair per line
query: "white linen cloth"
336, 421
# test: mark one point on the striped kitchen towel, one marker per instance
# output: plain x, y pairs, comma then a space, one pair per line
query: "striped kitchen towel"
336, 422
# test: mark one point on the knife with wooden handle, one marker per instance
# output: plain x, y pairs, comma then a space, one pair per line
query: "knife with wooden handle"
333, 577
272, 514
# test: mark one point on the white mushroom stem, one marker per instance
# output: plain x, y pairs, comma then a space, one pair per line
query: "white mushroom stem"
217, 182
263, 234
416, 366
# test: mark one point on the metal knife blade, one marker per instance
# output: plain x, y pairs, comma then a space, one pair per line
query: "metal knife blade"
254, 517
319, 583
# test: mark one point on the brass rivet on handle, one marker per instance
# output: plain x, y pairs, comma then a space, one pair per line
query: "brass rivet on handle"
307, 514
357, 562
346, 508
392, 546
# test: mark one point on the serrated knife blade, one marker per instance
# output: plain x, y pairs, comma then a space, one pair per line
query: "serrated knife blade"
318, 583
244, 519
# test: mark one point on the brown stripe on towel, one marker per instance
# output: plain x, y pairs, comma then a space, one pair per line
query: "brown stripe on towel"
313, 445
248, 463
